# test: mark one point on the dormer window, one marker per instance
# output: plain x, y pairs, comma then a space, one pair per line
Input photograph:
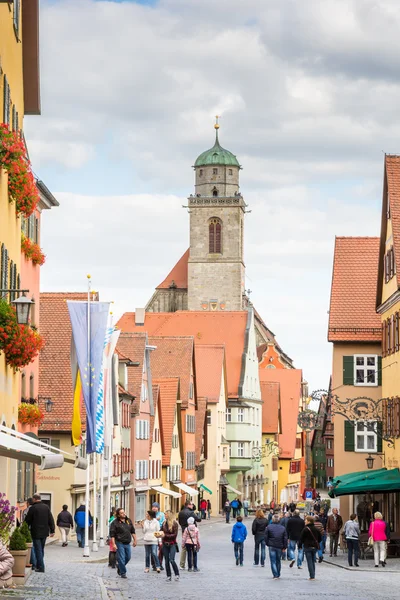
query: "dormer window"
215, 171
390, 267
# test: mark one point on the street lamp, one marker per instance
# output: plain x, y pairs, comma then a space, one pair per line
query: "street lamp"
22, 305
370, 462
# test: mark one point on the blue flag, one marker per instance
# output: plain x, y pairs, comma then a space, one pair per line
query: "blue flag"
89, 369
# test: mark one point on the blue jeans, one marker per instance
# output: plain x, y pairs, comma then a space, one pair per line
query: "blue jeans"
311, 556
227, 516
352, 547
80, 535
292, 552
238, 550
33, 557
191, 556
275, 555
257, 544
123, 556
169, 555
246, 511
151, 550
38, 545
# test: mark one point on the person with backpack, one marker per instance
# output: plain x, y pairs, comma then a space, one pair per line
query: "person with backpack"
80, 521
191, 541
238, 537
235, 507
294, 528
186, 513
310, 539
276, 540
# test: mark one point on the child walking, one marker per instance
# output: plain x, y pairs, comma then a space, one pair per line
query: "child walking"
191, 541
239, 534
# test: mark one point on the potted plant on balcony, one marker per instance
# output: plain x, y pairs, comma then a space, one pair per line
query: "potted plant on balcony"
30, 414
24, 529
17, 547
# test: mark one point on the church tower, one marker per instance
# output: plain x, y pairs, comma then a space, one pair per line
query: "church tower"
216, 271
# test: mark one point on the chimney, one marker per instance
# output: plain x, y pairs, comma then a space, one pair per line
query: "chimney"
139, 316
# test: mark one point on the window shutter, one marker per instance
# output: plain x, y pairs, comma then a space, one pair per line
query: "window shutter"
137, 430
136, 469
379, 436
148, 430
6, 99
348, 370
379, 370
168, 474
348, 436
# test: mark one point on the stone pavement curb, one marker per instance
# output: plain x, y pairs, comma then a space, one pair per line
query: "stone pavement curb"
103, 590
359, 569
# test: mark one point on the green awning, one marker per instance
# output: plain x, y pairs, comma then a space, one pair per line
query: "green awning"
203, 487
362, 482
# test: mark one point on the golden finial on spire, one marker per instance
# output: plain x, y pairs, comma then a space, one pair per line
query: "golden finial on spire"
216, 126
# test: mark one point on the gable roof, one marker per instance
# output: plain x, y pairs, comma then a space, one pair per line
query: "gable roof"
169, 395
391, 195
55, 380
210, 360
178, 274
132, 347
270, 395
228, 328
174, 358
352, 314
290, 394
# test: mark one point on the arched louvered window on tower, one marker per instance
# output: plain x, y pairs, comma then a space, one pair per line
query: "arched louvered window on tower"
215, 236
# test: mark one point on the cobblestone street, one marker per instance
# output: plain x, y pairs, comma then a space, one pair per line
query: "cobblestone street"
67, 577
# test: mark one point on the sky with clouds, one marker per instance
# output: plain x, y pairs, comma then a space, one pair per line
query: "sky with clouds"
308, 94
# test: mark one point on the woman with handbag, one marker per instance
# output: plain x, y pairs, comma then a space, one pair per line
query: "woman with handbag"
310, 539
191, 541
151, 528
378, 539
169, 531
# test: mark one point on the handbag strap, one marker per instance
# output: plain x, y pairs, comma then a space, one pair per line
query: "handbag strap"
191, 537
315, 539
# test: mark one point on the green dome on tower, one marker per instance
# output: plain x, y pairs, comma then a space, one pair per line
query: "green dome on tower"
217, 155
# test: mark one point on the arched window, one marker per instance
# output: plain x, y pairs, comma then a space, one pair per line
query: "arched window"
215, 191
215, 236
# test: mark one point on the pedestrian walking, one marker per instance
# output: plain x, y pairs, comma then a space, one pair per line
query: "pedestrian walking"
203, 508
227, 511
310, 538
352, 535
160, 516
209, 509
235, 507
258, 528
320, 528
65, 523
276, 540
80, 521
272, 504
122, 534
292, 507
324, 520
41, 523
240, 506
238, 537
333, 527
377, 535
246, 505
284, 521
191, 541
186, 512
294, 528
169, 532
151, 529
270, 515
6, 565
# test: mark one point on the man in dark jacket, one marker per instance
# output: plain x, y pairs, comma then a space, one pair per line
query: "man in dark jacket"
186, 512
258, 528
122, 533
294, 528
41, 523
276, 540
333, 527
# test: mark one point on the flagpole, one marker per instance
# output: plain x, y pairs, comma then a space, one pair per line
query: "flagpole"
101, 516
86, 550
95, 547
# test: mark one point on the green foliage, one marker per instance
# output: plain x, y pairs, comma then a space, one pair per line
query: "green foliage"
17, 540
24, 529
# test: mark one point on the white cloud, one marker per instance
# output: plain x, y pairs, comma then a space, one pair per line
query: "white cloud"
309, 95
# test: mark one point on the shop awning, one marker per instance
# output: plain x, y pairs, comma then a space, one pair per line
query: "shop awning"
362, 482
163, 490
187, 489
30, 449
232, 489
203, 487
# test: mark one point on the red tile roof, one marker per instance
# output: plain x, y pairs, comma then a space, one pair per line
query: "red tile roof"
352, 314
210, 360
173, 358
132, 346
55, 379
178, 275
290, 394
207, 328
200, 421
270, 391
169, 394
